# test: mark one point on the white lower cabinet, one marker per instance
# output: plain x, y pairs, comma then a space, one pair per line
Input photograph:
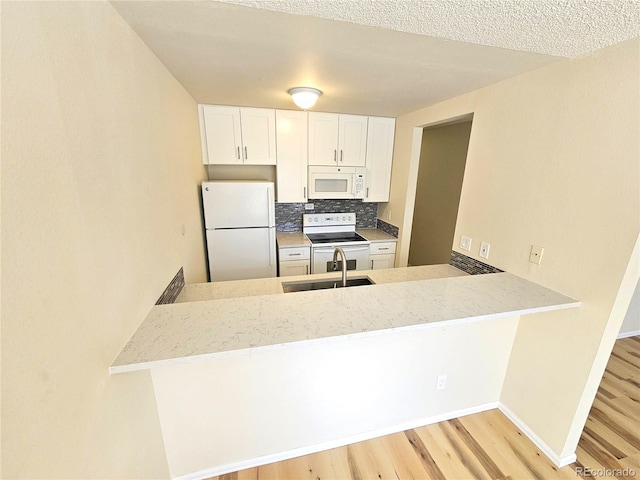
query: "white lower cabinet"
294, 261
382, 255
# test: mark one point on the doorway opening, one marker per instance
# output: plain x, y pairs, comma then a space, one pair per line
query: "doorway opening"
443, 157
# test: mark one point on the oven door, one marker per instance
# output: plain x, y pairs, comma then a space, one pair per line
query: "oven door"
322, 258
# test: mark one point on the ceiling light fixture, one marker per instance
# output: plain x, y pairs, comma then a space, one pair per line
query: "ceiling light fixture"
305, 97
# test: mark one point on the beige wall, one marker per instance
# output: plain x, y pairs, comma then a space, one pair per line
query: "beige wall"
101, 163
553, 161
631, 324
442, 160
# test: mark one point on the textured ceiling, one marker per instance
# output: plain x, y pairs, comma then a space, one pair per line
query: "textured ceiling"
565, 28
226, 53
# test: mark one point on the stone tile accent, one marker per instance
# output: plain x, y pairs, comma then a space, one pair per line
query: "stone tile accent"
289, 215
471, 265
173, 289
388, 228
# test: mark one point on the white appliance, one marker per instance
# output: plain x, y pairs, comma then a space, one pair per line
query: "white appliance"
326, 231
239, 219
336, 182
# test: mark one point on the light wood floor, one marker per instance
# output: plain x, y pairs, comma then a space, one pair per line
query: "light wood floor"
487, 445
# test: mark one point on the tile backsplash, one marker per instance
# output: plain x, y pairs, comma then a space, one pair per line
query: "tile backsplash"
388, 228
471, 265
173, 289
289, 215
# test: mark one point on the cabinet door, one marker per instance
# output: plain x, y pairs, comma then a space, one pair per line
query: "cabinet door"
220, 128
323, 138
380, 135
382, 261
258, 136
291, 143
294, 267
352, 140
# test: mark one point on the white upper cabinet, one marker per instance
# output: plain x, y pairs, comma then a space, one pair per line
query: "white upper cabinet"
337, 139
258, 135
220, 134
380, 136
352, 140
292, 140
323, 138
237, 135
291, 170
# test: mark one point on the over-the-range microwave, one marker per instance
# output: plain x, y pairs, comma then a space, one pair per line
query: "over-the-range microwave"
336, 182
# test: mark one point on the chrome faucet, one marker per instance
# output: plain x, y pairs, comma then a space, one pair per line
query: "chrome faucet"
344, 264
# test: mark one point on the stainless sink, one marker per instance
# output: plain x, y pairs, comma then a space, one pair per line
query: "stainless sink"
289, 287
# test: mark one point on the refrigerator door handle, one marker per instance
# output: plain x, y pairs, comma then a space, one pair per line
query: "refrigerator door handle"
271, 206
272, 249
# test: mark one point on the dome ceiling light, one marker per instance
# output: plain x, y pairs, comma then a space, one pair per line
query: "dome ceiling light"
305, 97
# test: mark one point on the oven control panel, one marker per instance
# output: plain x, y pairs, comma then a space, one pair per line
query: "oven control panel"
328, 219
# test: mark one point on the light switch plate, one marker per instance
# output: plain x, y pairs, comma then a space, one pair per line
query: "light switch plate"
484, 249
536, 254
309, 206
465, 243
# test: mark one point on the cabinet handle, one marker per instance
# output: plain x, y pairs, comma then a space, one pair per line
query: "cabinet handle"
340, 155
385, 248
238, 153
304, 192
294, 254
246, 156
367, 195
307, 269
335, 156
371, 264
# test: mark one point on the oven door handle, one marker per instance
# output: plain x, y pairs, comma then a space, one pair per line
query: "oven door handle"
346, 249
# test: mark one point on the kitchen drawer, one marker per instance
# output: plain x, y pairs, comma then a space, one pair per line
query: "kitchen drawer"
380, 248
295, 253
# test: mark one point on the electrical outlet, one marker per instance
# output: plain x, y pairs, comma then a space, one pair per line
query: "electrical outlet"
309, 206
536, 254
442, 381
465, 243
389, 215
484, 249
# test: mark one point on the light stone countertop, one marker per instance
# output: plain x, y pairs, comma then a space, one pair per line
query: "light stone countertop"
299, 239
191, 331
292, 239
197, 292
376, 235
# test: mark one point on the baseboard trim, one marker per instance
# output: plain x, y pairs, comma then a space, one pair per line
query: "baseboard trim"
537, 441
297, 452
628, 334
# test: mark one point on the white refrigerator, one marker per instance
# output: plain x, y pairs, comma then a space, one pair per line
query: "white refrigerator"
239, 218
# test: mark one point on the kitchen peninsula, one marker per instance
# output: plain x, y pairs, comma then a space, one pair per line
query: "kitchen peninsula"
245, 374
230, 318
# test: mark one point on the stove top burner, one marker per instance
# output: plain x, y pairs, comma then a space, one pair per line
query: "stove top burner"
335, 237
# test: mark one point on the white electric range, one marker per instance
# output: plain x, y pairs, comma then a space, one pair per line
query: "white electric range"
326, 231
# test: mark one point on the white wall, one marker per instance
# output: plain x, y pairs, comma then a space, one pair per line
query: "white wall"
101, 163
552, 161
275, 404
